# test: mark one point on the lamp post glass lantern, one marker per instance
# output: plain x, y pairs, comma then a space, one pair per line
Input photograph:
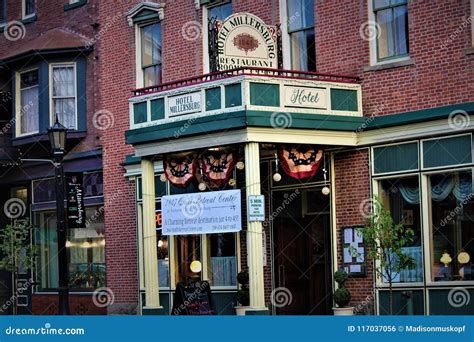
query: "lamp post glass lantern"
57, 137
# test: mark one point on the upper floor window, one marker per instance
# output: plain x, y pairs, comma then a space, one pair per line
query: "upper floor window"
27, 114
151, 58
391, 17
221, 11
29, 8
3, 11
301, 31
63, 94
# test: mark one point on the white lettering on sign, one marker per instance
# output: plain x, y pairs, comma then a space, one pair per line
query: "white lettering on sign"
305, 97
244, 40
256, 208
184, 104
202, 213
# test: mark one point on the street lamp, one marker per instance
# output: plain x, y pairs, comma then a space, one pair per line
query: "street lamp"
57, 137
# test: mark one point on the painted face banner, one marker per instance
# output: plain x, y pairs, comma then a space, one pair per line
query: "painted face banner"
180, 172
218, 167
300, 162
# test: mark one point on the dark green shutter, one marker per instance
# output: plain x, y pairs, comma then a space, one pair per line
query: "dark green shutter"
343, 99
263, 94
233, 95
157, 109
213, 98
393, 158
139, 112
448, 151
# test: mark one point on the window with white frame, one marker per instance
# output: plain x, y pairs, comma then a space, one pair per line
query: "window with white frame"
300, 18
391, 18
63, 94
29, 8
27, 112
3, 12
151, 54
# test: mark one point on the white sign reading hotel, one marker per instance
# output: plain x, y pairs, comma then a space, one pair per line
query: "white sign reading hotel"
305, 97
201, 213
184, 104
244, 40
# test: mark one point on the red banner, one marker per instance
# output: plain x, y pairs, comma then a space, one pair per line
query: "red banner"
300, 162
218, 167
180, 172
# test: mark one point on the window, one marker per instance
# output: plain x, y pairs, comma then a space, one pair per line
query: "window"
221, 11
3, 11
391, 17
452, 217
63, 94
29, 8
223, 260
188, 249
401, 196
151, 59
301, 31
27, 105
86, 252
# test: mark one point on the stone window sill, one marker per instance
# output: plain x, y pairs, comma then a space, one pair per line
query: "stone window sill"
396, 64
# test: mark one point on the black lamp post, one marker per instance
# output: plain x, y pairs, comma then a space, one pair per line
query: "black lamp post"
57, 137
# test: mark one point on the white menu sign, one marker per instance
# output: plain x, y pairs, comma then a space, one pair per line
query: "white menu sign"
184, 104
202, 213
305, 97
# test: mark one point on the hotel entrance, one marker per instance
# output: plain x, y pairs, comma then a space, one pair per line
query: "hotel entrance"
302, 250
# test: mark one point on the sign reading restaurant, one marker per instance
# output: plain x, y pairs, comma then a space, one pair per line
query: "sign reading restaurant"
244, 40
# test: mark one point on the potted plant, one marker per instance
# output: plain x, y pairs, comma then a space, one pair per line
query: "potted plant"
342, 296
243, 295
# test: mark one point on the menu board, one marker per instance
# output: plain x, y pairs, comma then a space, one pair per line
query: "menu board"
353, 251
193, 299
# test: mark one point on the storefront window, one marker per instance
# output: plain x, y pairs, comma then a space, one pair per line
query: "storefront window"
452, 215
188, 249
223, 260
401, 196
86, 251
162, 250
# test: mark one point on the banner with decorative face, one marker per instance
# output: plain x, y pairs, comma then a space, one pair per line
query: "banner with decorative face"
300, 161
180, 171
217, 167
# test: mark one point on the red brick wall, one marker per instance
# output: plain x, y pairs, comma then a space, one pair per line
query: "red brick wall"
352, 182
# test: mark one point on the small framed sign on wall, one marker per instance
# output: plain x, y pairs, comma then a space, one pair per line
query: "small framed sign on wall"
353, 251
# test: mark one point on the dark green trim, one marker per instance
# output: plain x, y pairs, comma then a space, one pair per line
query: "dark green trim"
447, 151
130, 159
80, 3
396, 158
146, 16
240, 119
153, 312
82, 155
213, 98
29, 20
157, 109
233, 95
140, 112
344, 99
424, 115
264, 312
264, 94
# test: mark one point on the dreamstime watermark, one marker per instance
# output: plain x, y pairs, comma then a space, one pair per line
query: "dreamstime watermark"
20, 291
109, 201
9, 125
286, 202
14, 31
281, 120
458, 297
456, 210
103, 297
191, 30
466, 22
367, 206
46, 330
459, 119
179, 132
369, 30
103, 31
192, 209
366, 302
281, 296
367, 120
103, 119
14, 208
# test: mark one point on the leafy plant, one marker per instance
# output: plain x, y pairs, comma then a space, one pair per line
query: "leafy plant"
385, 241
342, 295
243, 295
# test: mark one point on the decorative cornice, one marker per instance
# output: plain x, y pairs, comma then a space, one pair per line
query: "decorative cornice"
146, 5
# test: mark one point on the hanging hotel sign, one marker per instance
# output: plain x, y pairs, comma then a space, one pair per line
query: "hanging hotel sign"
244, 40
184, 104
305, 97
202, 213
76, 214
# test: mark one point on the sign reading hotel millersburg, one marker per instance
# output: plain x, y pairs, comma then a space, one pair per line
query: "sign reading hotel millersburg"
305, 97
184, 104
76, 214
244, 40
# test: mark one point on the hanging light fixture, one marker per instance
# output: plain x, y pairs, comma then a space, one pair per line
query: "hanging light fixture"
276, 175
202, 185
240, 165
325, 190
163, 177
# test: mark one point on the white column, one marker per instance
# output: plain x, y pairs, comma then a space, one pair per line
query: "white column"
254, 229
149, 236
